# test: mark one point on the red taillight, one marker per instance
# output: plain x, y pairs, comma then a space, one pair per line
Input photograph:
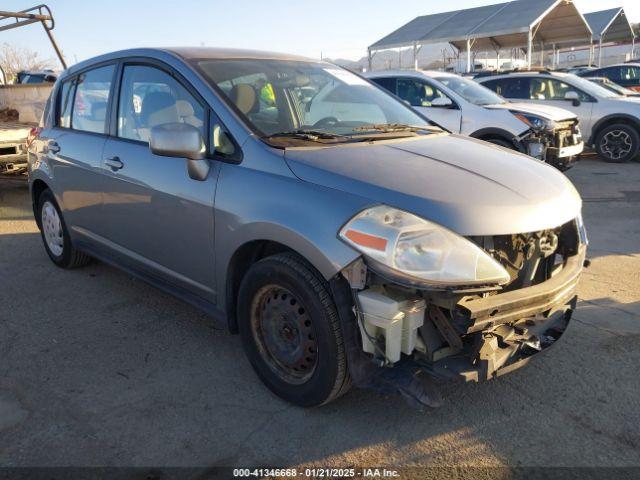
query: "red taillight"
33, 134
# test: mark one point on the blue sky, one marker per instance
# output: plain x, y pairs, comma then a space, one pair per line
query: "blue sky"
335, 28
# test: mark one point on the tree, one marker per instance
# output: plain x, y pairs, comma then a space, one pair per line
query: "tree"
14, 59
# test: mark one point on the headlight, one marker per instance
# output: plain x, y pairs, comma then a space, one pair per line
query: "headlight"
426, 253
535, 122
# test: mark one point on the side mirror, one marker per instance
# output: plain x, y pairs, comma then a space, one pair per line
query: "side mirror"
183, 141
442, 102
573, 97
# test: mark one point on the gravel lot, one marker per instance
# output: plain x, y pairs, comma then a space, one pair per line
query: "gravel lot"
97, 368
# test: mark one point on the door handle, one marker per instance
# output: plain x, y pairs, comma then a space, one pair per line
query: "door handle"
114, 162
53, 147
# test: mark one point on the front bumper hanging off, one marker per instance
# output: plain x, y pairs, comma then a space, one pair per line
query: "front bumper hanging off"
506, 330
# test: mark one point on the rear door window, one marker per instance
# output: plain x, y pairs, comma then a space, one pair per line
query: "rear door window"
510, 87
388, 83
91, 100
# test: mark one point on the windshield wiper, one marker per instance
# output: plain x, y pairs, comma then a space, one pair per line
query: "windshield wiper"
303, 134
397, 127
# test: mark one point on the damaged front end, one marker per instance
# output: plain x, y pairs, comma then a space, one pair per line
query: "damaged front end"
469, 333
558, 144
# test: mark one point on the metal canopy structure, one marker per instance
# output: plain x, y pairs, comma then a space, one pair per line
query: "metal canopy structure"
610, 26
38, 14
515, 24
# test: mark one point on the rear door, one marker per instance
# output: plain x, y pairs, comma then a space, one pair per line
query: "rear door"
160, 220
75, 143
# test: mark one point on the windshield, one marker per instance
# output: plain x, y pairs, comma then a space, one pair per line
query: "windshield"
471, 91
319, 100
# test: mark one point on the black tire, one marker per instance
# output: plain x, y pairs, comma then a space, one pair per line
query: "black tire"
319, 379
625, 139
69, 257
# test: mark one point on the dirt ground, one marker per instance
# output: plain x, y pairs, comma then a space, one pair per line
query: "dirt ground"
98, 368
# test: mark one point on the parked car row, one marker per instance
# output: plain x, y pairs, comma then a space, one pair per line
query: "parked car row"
610, 122
341, 233
463, 106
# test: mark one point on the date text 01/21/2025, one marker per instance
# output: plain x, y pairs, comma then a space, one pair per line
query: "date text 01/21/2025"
316, 473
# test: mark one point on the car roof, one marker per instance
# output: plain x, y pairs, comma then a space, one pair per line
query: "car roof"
626, 64
189, 53
408, 73
527, 74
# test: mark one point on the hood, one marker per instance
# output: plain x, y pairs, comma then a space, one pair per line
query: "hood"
552, 113
464, 184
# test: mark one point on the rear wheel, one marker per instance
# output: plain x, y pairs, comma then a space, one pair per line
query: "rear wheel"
55, 235
291, 331
618, 143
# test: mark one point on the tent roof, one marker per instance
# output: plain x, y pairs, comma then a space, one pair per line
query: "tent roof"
504, 25
611, 25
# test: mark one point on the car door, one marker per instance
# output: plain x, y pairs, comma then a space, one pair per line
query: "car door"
546, 90
420, 94
75, 144
160, 220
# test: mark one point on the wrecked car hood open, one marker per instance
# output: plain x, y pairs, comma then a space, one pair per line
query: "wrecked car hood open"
466, 185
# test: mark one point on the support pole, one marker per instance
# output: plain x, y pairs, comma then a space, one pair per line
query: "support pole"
468, 55
415, 56
400, 58
529, 48
369, 56
541, 54
600, 53
633, 47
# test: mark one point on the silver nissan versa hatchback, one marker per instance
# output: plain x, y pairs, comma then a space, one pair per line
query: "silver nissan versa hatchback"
346, 239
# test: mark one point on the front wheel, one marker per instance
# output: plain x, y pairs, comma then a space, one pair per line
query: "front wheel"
618, 143
291, 331
55, 235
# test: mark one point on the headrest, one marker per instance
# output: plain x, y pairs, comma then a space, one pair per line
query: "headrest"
158, 108
185, 109
245, 98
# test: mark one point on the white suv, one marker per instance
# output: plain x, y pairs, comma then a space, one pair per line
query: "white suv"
610, 122
462, 106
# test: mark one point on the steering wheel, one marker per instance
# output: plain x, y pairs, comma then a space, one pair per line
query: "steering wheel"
326, 122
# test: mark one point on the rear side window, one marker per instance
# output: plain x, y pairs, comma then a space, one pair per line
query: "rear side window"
510, 87
65, 104
388, 83
91, 100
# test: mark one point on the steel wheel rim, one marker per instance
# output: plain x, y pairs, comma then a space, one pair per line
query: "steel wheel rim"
616, 144
284, 334
52, 229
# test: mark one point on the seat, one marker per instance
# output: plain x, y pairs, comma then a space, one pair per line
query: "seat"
158, 108
187, 114
244, 96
